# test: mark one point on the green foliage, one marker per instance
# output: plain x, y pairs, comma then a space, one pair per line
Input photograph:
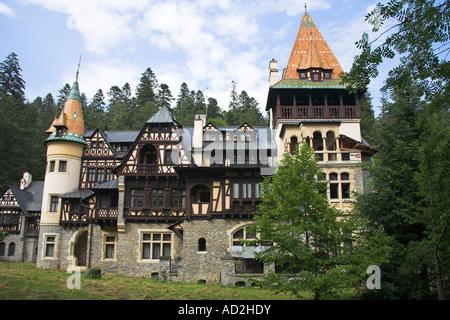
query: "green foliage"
420, 37
11, 82
310, 238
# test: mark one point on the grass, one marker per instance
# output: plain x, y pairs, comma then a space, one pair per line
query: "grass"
23, 281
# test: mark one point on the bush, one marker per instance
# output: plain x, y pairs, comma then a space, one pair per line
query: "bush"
94, 273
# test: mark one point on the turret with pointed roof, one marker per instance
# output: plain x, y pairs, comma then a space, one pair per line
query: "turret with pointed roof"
69, 125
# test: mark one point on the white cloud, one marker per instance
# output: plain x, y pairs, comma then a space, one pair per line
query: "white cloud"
4, 9
101, 74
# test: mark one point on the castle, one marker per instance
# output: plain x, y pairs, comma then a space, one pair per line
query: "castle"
174, 202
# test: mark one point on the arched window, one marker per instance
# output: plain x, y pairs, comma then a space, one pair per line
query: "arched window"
200, 193
11, 249
317, 141
331, 141
148, 155
201, 245
293, 145
242, 234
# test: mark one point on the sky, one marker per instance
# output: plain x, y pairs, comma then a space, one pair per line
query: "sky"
205, 43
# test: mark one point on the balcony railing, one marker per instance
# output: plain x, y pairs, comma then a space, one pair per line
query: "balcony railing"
148, 169
74, 218
318, 112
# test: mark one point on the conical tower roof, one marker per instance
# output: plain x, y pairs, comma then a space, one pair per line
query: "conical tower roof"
70, 119
310, 51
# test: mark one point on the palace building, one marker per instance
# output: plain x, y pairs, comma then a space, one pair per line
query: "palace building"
173, 202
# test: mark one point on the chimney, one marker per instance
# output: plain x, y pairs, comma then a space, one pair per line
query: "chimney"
273, 73
25, 181
197, 138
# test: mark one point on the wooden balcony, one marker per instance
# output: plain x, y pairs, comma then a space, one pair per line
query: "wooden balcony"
74, 218
109, 214
318, 112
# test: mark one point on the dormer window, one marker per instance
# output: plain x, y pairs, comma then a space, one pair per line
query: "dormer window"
315, 76
59, 132
302, 75
327, 75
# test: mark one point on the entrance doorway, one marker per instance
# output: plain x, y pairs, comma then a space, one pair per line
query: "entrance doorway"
81, 249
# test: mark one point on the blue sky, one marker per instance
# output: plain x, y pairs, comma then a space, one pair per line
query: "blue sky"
205, 43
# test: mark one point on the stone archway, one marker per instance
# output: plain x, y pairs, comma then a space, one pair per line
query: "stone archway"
80, 249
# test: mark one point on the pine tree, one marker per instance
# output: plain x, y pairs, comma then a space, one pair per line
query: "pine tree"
147, 88
165, 97
11, 81
233, 96
63, 95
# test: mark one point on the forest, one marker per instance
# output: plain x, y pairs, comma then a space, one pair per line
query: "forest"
23, 123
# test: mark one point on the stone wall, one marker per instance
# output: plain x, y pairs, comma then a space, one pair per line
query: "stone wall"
205, 265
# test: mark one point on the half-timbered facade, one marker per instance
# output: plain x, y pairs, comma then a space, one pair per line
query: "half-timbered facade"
174, 202
20, 210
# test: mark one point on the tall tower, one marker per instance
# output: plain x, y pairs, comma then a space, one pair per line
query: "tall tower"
310, 103
64, 150
310, 97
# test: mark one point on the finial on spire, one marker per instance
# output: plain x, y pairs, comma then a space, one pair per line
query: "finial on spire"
78, 70
306, 7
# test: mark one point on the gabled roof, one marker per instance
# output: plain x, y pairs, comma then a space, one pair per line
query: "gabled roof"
29, 199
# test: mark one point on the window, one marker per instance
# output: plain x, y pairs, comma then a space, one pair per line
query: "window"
248, 266
137, 198
158, 198
50, 242
11, 249
110, 246
235, 190
339, 188
171, 157
246, 190
178, 198
315, 76
51, 166
62, 166
302, 75
155, 245
54, 202
109, 175
200, 194
327, 75
201, 245
256, 190
242, 234
100, 174
345, 186
91, 175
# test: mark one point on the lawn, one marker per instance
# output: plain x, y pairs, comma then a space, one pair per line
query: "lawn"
23, 281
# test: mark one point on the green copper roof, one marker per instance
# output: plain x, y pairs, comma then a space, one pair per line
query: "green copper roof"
307, 84
67, 137
75, 92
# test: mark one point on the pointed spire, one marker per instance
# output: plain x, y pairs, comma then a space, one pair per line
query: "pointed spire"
71, 117
311, 50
